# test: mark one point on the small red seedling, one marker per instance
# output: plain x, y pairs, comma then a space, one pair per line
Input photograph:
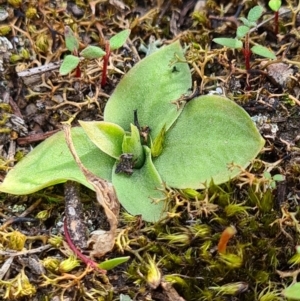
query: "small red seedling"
275, 6
72, 61
243, 32
113, 43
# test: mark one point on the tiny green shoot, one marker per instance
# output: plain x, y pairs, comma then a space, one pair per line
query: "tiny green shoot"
273, 179
112, 263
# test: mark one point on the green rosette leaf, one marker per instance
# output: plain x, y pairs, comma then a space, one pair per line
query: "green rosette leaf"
211, 134
139, 192
51, 163
150, 87
105, 135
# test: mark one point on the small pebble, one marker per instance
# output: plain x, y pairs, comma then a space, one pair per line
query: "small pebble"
5, 44
75, 10
3, 14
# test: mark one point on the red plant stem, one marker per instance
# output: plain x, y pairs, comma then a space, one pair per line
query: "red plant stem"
86, 260
276, 22
247, 53
105, 64
78, 71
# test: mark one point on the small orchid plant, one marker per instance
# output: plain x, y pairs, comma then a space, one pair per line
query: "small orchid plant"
152, 136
